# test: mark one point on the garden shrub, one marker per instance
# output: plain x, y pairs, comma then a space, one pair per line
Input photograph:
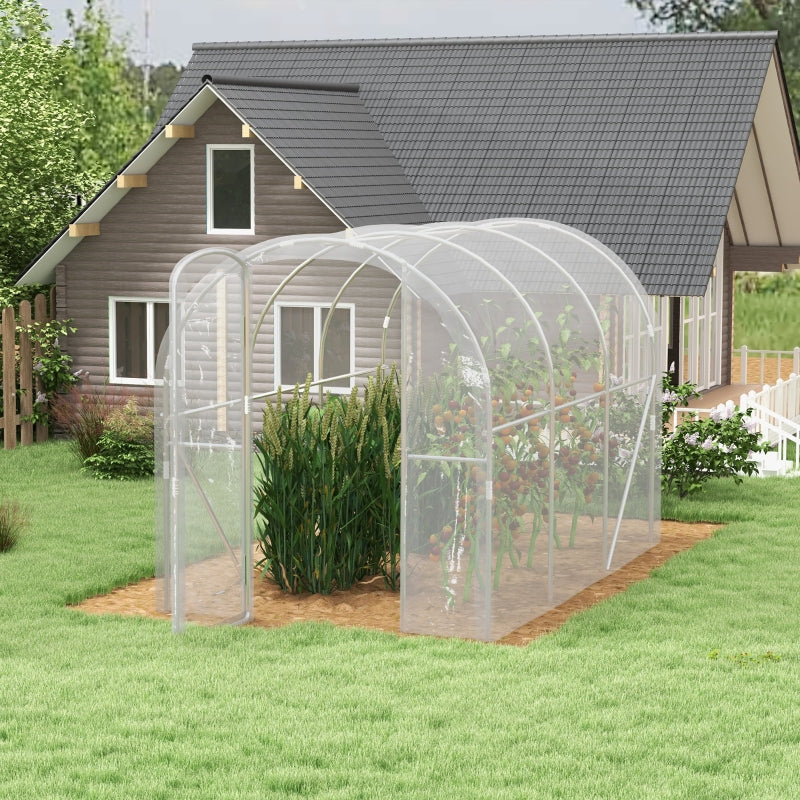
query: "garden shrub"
328, 491
723, 444
81, 412
125, 449
13, 520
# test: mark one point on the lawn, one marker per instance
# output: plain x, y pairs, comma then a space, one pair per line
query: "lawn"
766, 321
623, 702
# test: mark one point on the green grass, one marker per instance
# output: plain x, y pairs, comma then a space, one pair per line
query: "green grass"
766, 321
622, 702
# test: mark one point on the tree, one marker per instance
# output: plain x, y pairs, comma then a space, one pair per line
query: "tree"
98, 79
163, 79
681, 16
40, 131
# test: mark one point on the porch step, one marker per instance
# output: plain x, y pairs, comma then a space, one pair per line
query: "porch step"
769, 464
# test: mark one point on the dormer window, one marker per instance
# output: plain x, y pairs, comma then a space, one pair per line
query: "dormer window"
229, 181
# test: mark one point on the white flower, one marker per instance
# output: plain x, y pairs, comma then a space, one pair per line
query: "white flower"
724, 448
692, 439
672, 367
41, 397
708, 444
723, 412
669, 397
749, 424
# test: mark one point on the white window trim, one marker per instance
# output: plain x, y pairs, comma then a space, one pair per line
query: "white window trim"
210, 191
150, 344
317, 334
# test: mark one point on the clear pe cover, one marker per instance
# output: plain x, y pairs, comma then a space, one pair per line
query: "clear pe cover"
530, 408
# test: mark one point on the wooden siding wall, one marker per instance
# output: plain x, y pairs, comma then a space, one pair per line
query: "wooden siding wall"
152, 228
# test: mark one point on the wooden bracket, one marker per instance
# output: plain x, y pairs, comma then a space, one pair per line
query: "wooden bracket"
131, 181
84, 229
179, 131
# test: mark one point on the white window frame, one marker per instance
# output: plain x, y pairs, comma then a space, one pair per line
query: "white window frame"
150, 343
317, 334
210, 148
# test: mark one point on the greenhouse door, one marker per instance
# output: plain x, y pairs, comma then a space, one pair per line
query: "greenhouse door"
210, 549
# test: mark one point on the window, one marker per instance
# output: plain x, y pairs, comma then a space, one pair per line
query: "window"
299, 331
229, 179
136, 328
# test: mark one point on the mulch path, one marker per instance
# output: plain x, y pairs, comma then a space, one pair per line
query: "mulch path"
369, 605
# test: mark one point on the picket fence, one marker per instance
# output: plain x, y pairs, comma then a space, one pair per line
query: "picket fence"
20, 384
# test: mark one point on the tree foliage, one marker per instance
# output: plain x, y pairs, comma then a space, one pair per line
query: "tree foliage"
163, 79
40, 131
685, 16
71, 115
97, 79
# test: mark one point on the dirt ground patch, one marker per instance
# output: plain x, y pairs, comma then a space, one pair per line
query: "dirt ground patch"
369, 605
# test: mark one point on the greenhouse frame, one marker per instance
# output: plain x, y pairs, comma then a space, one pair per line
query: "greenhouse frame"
530, 404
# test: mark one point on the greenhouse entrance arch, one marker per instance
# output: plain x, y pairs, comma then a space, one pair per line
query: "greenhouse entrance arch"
530, 409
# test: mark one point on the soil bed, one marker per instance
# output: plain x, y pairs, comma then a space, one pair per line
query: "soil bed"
369, 605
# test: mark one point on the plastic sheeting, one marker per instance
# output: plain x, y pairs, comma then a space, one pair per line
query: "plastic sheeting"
530, 411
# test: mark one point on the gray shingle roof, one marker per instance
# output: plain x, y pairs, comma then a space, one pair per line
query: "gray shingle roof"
636, 140
327, 136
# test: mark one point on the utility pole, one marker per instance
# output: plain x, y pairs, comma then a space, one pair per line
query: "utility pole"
146, 65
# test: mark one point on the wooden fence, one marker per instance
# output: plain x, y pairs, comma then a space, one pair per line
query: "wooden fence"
20, 385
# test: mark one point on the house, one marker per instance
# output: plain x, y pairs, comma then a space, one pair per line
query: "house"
678, 152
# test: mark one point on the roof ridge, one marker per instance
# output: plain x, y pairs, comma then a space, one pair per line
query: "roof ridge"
228, 79
450, 40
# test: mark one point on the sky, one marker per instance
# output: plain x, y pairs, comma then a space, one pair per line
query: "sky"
176, 24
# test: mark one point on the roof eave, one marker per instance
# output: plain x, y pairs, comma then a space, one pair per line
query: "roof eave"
42, 268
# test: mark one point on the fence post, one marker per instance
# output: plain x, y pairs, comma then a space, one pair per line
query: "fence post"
743, 364
26, 393
40, 315
7, 330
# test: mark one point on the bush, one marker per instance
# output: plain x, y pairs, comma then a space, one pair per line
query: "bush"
721, 445
13, 520
125, 449
81, 413
328, 497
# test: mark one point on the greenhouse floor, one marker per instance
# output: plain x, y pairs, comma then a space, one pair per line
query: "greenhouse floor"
369, 605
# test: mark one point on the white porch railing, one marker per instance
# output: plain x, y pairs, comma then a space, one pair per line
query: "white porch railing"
760, 357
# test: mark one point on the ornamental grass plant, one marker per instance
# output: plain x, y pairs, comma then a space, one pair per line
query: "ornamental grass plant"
81, 412
13, 521
328, 492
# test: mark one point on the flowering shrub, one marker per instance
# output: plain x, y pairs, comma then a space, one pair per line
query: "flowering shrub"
52, 368
723, 444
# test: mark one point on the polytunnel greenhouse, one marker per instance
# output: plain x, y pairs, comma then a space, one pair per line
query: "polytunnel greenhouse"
529, 397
